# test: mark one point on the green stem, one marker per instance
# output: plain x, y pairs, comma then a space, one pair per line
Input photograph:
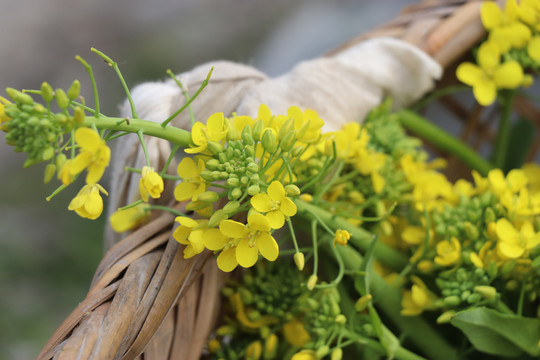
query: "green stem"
173, 134
168, 209
185, 93
169, 160
400, 354
315, 247
443, 140
143, 145
203, 85
503, 135
360, 238
94, 86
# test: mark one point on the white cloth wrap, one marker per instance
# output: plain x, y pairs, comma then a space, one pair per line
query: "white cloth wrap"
341, 89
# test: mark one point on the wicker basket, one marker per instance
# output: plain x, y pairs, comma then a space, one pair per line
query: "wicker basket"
147, 302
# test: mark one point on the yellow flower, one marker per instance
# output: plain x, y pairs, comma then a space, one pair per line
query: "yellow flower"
448, 252
513, 244
245, 243
275, 204
130, 218
307, 124
201, 134
150, 184
341, 237
254, 350
416, 300
490, 75
190, 233
193, 183
413, 235
506, 31
65, 174
94, 155
305, 355
533, 48
88, 203
295, 333
3, 117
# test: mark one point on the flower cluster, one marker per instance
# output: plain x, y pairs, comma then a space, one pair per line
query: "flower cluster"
513, 45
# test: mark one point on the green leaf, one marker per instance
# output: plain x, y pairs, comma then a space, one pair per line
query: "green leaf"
499, 334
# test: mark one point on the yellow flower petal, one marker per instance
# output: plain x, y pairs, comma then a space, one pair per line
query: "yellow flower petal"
533, 48
258, 222
268, 246
187, 169
88, 139
184, 191
261, 203
488, 56
246, 255
214, 240
186, 221
276, 191
491, 15
509, 75
276, 219
226, 260
485, 92
509, 250
469, 73
288, 207
506, 231
233, 229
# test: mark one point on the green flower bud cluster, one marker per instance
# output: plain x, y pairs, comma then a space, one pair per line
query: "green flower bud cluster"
469, 219
236, 166
34, 129
458, 286
273, 290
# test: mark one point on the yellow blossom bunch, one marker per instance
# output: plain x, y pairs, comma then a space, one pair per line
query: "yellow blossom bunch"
513, 44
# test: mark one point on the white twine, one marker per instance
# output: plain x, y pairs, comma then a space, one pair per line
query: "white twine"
341, 89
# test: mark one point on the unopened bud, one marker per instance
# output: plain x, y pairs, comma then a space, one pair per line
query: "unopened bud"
471, 231
232, 133
312, 281
60, 160
254, 351
269, 141
363, 302
258, 128
254, 190
292, 190
337, 354
322, 351
247, 136
286, 128
297, 151
48, 153
215, 148
47, 92
270, 347
299, 260
236, 193
208, 196
489, 215
341, 319
74, 90
487, 292
217, 218
288, 141
231, 207
50, 170
225, 330
253, 167
196, 205
78, 115
445, 317
61, 99
19, 97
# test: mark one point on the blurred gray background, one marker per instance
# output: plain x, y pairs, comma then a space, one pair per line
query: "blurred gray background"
47, 254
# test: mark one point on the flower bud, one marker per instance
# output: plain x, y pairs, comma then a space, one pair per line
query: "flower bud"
269, 141
270, 347
297, 151
286, 128
299, 260
337, 354
253, 168
489, 215
247, 136
340, 319
47, 92
232, 133
50, 170
453, 300
208, 196
363, 302
312, 281
322, 351
236, 193
446, 317
60, 160
74, 90
253, 190
217, 218
231, 207
61, 99
292, 190
487, 292
48, 153
19, 97
196, 205
257, 130
225, 330
215, 148
233, 181
288, 141
78, 115
207, 175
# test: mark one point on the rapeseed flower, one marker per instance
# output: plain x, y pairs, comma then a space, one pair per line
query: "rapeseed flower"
416, 300
448, 252
190, 233
94, 155
490, 75
245, 242
214, 130
150, 184
513, 243
88, 202
193, 183
341, 237
275, 204
130, 218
